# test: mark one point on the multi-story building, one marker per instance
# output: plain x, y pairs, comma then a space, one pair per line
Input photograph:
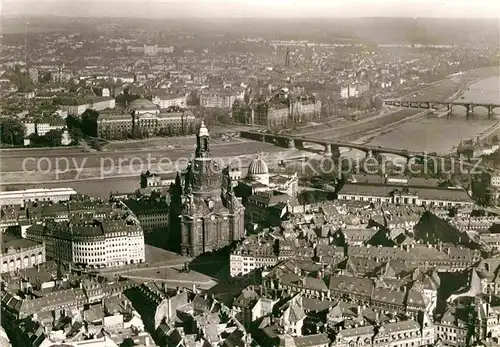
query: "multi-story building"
278, 110
144, 118
43, 128
492, 240
443, 259
156, 302
487, 324
397, 334
217, 99
113, 124
272, 113
266, 208
353, 90
208, 221
77, 106
170, 100
56, 303
404, 192
98, 244
495, 180
21, 197
18, 254
155, 181
152, 213
65, 211
254, 253
304, 109
29, 127
452, 327
150, 49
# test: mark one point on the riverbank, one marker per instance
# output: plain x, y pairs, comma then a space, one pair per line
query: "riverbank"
389, 126
365, 139
133, 171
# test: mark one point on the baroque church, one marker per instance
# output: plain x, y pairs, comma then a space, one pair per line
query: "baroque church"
205, 216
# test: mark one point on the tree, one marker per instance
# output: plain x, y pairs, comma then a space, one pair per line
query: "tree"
53, 138
74, 125
12, 132
89, 122
73, 122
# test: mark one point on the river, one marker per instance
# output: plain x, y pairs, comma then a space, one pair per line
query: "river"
430, 134
434, 134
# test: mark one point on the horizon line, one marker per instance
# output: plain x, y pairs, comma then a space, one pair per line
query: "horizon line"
20, 16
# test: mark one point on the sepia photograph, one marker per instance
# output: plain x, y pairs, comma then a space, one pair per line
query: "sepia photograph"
250, 173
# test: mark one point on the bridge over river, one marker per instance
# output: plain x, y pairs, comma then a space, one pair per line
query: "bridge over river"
332, 147
469, 106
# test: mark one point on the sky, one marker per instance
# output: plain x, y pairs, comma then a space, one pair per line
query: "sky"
255, 8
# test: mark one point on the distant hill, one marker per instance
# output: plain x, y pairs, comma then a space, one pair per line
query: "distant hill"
328, 30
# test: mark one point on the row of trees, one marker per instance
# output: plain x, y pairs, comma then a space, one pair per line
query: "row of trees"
50, 139
84, 126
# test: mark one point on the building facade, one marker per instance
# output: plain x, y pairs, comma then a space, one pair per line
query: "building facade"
216, 99
77, 107
18, 254
144, 117
208, 221
95, 244
170, 100
277, 111
404, 192
21, 197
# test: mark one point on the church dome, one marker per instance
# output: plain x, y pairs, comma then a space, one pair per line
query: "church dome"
142, 104
258, 167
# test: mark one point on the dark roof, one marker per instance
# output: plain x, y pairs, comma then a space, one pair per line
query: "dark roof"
9, 240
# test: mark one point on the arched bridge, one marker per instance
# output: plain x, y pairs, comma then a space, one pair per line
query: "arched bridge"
469, 106
331, 147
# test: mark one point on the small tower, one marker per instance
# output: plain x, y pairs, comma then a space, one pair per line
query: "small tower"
202, 137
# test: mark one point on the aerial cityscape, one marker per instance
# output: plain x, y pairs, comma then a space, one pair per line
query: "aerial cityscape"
250, 174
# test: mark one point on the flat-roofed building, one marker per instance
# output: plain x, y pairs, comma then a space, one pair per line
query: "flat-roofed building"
403, 191
21, 197
170, 100
76, 106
